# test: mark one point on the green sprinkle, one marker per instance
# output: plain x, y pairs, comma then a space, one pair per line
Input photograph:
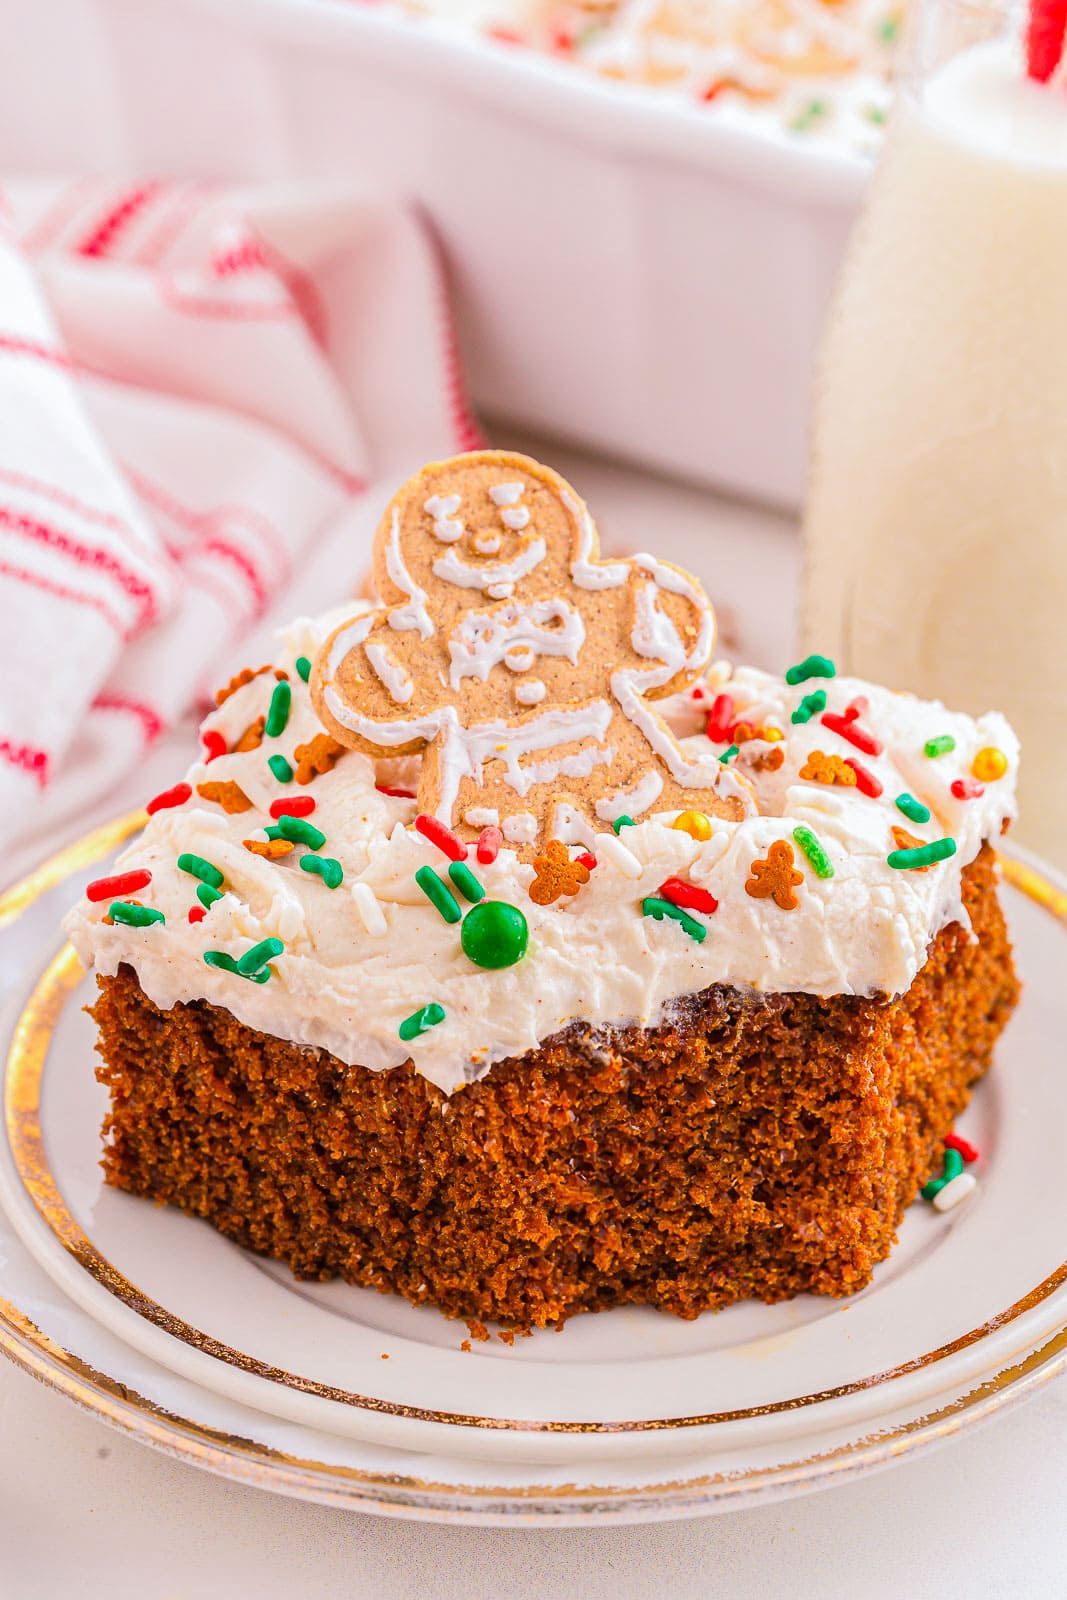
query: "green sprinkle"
821, 864
494, 934
728, 755
813, 112
303, 667
134, 916
952, 1168
278, 712
280, 768
913, 809
941, 746
207, 895
876, 114
622, 822
219, 958
657, 908
924, 856
259, 954
438, 893
465, 881
199, 868
811, 667
810, 706
298, 830
324, 867
420, 1021
889, 30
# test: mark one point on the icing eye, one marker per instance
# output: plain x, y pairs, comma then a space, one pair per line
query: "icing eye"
486, 544
442, 508
506, 494
515, 517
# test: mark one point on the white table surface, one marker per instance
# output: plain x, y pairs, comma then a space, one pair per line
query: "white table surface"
84, 1512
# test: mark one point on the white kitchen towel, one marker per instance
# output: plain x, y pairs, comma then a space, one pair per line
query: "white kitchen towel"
206, 395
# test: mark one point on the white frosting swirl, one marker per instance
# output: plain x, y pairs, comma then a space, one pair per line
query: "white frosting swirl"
361, 958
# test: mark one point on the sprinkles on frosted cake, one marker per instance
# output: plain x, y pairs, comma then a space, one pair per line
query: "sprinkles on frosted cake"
504, 950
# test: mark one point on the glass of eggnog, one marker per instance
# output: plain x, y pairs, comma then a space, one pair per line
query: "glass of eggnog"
936, 526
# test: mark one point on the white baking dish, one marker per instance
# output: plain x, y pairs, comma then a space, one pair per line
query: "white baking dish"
630, 272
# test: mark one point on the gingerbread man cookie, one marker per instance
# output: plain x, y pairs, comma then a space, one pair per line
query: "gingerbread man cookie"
520, 663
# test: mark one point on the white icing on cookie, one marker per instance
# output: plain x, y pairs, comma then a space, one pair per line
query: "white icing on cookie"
397, 683
530, 692
506, 494
515, 634
414, 614
632, 802
515, 517
451, 569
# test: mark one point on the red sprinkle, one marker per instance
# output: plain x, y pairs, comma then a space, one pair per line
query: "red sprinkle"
680, 893
214, 744
856, 708
968, 1151
120, 886
866, 782
441, 836
397, 794
1045, 37
967, 789
301, 805
721, 719
586, 860
489, 842
846, 727
197, 913
170, 797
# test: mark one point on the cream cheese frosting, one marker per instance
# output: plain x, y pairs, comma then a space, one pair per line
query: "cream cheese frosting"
360, 958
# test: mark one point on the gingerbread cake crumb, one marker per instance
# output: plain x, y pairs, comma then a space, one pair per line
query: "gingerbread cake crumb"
743, 1148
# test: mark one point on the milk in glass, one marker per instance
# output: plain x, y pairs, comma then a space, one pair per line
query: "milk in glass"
936, 529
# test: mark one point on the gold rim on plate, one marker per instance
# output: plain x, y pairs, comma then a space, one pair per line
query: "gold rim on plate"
234, 1456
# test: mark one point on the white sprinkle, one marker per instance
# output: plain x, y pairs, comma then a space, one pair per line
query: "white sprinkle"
515, 517
530, 692
955, 1191
610, 848
506, 494
499, 591
370, 911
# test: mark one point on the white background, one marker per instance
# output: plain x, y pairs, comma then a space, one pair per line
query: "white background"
85, 1513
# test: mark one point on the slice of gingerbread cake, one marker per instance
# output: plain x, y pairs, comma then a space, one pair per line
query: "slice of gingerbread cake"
504, 951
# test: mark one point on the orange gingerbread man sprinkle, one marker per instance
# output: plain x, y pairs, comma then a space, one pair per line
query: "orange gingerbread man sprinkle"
775, 876
252, 737
525, 667
556, 874
239, 680
230, 796
316, 757
821, 768
270, 849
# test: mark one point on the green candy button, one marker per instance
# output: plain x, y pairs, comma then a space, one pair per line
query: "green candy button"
494, 934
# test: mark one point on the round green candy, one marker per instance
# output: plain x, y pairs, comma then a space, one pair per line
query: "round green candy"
494, 934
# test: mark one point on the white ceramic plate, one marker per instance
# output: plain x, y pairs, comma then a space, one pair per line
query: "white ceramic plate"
168, 1330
